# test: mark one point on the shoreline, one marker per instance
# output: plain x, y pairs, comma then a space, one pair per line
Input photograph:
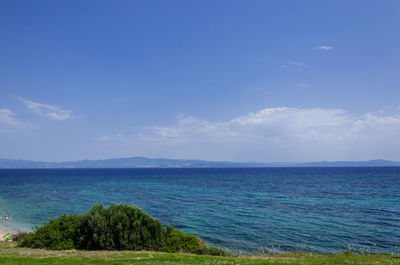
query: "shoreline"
4, 229
3, 232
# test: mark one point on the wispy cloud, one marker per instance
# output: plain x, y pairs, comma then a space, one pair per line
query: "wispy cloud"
294, 64
324, 47
302, 85
298, 64
119, 136
7, 117
49, 111
274, 134
264, 123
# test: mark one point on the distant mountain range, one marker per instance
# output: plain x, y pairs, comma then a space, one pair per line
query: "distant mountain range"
143, 162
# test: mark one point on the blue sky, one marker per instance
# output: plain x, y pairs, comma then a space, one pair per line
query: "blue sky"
216, 80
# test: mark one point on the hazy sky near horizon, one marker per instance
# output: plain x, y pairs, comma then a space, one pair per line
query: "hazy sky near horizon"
217, 80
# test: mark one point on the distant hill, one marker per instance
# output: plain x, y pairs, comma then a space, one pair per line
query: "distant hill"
143, 162
132, 162
370, 163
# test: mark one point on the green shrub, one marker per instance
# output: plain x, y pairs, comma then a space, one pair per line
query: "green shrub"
57, 234
178, 241
118, 227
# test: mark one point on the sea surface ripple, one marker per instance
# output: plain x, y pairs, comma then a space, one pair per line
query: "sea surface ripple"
239, 209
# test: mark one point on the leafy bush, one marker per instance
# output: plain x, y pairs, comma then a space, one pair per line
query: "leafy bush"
57, 234
179, 241
118, 227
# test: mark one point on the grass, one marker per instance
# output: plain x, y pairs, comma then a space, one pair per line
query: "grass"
11, 254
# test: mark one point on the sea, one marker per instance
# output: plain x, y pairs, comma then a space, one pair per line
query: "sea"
243, 210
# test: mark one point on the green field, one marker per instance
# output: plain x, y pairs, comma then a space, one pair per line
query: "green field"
11, 254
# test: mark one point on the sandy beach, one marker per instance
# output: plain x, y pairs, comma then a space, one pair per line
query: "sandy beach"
4, 230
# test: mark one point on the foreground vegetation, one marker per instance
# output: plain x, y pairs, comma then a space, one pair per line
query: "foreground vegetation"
118, 227
122, 234
11, 254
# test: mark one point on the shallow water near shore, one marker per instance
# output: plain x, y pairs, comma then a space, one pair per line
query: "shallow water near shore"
241, 209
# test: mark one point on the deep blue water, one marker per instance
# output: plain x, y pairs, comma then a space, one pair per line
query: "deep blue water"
245, 209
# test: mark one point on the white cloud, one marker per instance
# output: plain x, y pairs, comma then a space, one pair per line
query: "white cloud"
325, 48
266, 123
7, 118
279, 134
49, 111
117, 137
294, 65
121, 137
298, 64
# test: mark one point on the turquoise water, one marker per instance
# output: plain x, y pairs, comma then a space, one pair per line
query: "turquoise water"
245, 209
